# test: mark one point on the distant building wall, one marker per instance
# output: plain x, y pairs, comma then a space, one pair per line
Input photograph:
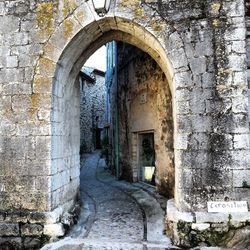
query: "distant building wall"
144, 107
92, 108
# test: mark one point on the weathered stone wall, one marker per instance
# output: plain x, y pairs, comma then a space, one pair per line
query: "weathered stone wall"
200, 46
208, 229
92, 105
247, 20
212, 130
144, 104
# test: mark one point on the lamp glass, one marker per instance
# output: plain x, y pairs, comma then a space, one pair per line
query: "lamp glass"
99, 5
107, 5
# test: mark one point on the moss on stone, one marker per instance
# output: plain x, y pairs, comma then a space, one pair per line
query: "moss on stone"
216, 22
35, 99
80, 16
129, 3
44, 16
68, 7
67, 28
216, 7
139, 12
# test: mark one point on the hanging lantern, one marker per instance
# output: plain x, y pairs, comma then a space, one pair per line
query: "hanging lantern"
101, 6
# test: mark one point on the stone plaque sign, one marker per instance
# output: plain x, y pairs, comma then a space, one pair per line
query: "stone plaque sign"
227, 206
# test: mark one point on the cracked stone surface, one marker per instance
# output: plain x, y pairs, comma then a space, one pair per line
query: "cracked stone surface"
115, 214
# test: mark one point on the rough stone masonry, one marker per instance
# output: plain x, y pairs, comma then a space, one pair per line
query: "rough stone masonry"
199, 45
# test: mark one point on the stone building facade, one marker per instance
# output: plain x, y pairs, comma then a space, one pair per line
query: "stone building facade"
92, 109
142, 98
200, 47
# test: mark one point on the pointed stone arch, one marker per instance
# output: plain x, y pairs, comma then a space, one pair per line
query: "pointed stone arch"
70, 58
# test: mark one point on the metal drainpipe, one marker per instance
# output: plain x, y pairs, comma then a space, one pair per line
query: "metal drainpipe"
116, 113
107, 88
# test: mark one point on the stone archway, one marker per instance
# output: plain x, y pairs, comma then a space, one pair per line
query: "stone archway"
65, 95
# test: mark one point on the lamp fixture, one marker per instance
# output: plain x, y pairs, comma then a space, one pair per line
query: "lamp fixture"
101, 6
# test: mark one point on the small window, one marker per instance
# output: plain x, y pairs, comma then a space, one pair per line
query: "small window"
147, 158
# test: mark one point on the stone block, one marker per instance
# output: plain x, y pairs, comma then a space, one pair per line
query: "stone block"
183, 107
240, 78
190, 50
235, 34
198, 65
241, 141
43, 146
237, 124
203, 217
204, 48
54, 216
201, 123
207, 80
199, 141
182, 95
183, 79
29, 50
236, 62
178, 58
239, 219
11, 62
10, 243
18, 8
74, 172
43, 114
175, 41
174, 215
200, 226
241, 178
27, 25
31, 230
54, 230
9, 24
240, 159
238, 47
20, 38
11, 75
16, 88
2, 9
37, 217
27, 60
184, 124
181, 141
17, 217
185, 178
220, 227
29, 75
35, 200
32, 243
9, 229
234, 9
56, 181
5, 102
197, 105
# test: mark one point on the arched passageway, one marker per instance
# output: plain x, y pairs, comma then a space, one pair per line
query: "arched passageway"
65, 104
147, 75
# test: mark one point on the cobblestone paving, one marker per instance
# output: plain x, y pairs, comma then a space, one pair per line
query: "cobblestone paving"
115, 215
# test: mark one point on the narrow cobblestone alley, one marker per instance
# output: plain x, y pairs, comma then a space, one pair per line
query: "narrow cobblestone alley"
115, 214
